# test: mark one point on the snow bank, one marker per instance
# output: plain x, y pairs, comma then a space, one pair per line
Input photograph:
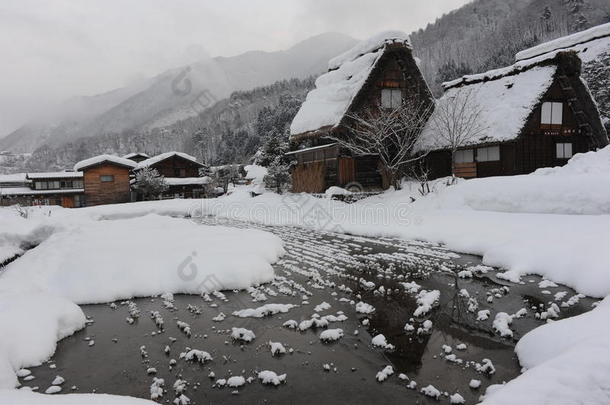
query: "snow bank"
142, 257
24, 397
576, 188
568, 362
36, 321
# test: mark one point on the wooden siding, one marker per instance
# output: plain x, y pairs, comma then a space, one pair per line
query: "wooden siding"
347, 170
98, 192
309, 178
177, 166
466, 170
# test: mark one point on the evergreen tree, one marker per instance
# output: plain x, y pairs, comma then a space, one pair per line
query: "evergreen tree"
150, 183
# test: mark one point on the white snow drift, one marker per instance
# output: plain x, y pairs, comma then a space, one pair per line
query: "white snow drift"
109, 260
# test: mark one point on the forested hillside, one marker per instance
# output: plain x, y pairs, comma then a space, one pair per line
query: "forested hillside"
230, 131
486, 34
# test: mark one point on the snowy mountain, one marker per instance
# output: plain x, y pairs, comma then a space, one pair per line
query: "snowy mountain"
176, 94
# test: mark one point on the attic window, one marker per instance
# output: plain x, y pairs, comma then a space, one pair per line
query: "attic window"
551, 113
391, 98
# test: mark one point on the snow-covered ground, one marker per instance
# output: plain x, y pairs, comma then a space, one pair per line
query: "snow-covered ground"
104, 261
566, 362
107, 253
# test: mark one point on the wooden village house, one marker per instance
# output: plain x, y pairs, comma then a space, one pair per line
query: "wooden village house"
378, 73
65, 189
106, 179
181, 172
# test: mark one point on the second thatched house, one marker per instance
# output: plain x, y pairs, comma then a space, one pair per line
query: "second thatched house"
536, 113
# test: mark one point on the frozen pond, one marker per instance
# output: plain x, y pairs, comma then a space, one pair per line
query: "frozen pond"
337, 271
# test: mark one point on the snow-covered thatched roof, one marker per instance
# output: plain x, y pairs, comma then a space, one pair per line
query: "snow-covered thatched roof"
505, 102
158, 158
335, 91
96, 160
588, 44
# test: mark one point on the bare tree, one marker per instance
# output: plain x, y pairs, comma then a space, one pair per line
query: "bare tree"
390, 134
457, 120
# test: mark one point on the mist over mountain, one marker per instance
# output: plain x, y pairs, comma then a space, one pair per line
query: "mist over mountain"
175, 94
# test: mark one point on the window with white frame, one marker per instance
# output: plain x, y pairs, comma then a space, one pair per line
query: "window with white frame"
552, 113
464, 156
563, 150
391, 98
488, 154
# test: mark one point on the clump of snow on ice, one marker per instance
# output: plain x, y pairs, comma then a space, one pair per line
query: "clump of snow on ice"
270, 377
276, 348
199, 356
501, 324
364, 308
456, 399
322, 307
425, 301
242, 334
236, 381
431, 391
385, 373
474, 384
486, 366
331, 335
483, 314
265, 310
425, 328
380, 341
156, 388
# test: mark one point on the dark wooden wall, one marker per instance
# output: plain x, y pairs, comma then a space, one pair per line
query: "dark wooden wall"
177, 166
98, 192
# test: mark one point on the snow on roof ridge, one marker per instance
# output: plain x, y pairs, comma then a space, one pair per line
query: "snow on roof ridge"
494, 74
163, 156
132, 154
369, 45
104, 158
49, 175
599, 31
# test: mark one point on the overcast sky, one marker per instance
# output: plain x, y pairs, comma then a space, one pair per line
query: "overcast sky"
51, 50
